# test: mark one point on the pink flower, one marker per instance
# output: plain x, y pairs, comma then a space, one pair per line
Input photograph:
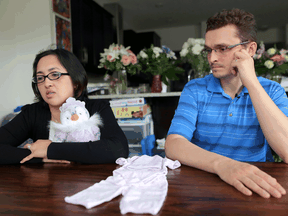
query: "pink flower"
133, 59
107, 77
109, 58
117, 47
277, 58
132, 56
125, 60
130, 52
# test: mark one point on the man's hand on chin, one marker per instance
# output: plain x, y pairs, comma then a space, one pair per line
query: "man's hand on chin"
243, 65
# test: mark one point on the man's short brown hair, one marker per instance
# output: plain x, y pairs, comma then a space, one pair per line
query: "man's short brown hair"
244, 22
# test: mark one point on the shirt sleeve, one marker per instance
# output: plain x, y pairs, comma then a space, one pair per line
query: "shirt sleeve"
12, 135
185, 118
112, 144
279, 97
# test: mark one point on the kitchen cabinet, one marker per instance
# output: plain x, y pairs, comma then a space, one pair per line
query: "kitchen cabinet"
92, 31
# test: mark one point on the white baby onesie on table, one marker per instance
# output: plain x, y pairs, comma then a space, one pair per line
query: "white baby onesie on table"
141, 180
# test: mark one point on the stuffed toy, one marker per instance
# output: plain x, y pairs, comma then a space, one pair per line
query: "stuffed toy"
76, 124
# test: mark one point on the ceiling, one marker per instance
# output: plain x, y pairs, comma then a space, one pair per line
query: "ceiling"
141, 15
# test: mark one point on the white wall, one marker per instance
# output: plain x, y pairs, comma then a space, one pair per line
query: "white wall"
271, 35
175, 37
25, 29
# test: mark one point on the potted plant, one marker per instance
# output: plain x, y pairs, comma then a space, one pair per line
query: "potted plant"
160, 63
192, 53
120, 60
271, 63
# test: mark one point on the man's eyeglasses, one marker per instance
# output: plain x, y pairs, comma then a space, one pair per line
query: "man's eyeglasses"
223, 49
51, 76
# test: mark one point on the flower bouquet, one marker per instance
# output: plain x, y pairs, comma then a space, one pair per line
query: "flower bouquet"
192, 53
271, 63
159, 61
118, 59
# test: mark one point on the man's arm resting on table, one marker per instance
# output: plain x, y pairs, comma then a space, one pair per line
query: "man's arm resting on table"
242, 176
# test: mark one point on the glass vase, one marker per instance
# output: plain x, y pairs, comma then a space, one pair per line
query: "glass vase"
122, 81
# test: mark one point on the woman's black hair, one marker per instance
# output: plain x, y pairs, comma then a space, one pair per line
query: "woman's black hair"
73, 66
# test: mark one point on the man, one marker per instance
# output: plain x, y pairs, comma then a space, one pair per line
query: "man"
226, 117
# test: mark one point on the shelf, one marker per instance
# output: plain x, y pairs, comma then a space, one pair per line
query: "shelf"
167, 94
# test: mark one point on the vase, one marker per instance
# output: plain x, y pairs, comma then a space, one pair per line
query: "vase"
122, 81
156, 84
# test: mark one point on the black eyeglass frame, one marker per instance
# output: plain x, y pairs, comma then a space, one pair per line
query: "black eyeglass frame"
226, 48
34, 79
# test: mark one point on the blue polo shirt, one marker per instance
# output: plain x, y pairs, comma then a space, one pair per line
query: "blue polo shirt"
209, 118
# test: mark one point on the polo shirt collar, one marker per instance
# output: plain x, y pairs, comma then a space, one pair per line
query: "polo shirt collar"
214, 85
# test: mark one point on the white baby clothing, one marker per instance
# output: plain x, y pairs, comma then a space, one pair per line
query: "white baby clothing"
141, 180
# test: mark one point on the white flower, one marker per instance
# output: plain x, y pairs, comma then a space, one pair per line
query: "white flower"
286, 58
171, 54
185, 45
271, 51
183, 52
157, 50
112, 55
102, 60
199, 41
269, 64
202, 41
143, 54
191, 41
123, 52
196, 50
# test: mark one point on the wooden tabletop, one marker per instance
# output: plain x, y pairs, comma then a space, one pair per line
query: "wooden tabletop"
39, 189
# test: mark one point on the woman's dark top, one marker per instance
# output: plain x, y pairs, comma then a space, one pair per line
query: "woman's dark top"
32, 122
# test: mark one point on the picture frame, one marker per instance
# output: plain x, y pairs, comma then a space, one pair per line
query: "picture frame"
62, 7
63, 33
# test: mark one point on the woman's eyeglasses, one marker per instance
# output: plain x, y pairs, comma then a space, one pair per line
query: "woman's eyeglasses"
51, 76
221, 50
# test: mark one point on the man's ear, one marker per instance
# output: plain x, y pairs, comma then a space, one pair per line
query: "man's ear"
252, 48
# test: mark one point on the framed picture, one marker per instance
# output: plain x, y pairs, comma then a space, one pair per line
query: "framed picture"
63, 33
62, 7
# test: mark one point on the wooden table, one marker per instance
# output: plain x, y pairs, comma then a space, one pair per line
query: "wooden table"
39, 189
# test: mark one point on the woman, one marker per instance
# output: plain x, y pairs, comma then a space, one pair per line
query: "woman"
58, 75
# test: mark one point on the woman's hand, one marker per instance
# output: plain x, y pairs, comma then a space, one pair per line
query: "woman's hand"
46, 160
38, 149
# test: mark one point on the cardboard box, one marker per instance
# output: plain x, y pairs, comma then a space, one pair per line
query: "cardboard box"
139, 111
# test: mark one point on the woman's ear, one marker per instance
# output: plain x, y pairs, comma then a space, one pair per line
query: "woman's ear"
252, 48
